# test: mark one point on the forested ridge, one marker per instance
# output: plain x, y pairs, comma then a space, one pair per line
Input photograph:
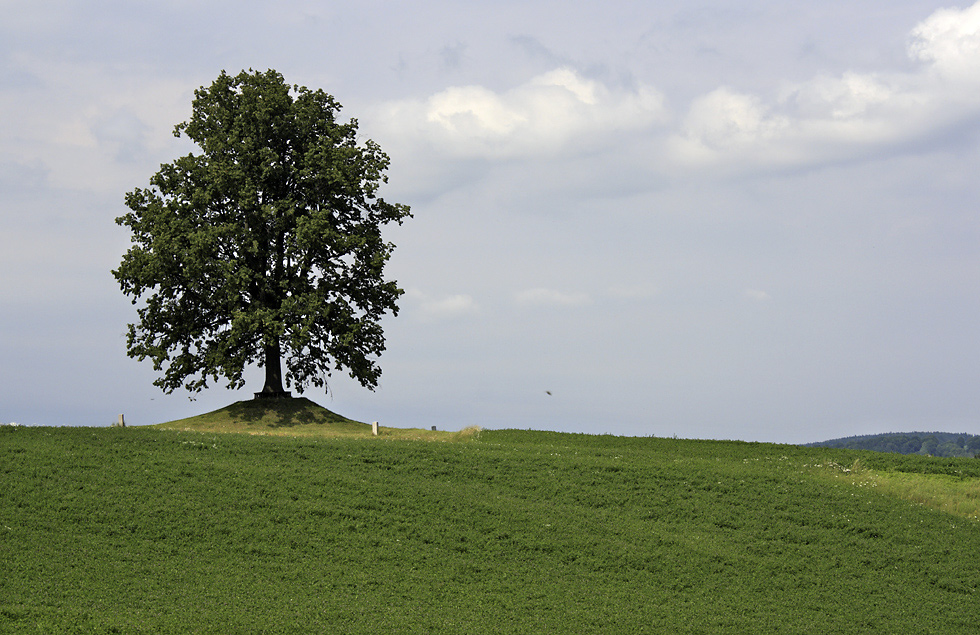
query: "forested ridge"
946, 444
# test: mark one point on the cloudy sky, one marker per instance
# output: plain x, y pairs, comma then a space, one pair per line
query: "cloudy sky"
753, 220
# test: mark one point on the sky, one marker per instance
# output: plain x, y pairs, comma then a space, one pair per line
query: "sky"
714, 220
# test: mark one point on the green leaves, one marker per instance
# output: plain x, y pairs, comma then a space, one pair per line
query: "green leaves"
272, 235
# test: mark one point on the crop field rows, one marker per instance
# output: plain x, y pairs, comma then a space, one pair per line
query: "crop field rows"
151, 531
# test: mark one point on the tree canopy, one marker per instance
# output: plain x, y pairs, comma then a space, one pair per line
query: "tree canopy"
264, 247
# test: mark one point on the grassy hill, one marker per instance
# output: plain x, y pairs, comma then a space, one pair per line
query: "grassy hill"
141, 530
296, 417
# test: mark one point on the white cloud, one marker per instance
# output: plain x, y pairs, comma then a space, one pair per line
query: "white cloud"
550, 297
546, 114
585, 91
563, 114
724, 121
837, 98
949, 40
473, 111
446, 308
828, 119
757, 295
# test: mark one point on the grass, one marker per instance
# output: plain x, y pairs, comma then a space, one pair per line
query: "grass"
298, 417
169, 531
301, 417
950, 493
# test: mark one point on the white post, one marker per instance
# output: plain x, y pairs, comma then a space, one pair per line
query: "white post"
374, 428
122, 422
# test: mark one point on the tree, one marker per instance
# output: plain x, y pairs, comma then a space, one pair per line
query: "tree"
265, 246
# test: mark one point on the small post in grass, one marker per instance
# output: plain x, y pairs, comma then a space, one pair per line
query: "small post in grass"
374, 428
121, 423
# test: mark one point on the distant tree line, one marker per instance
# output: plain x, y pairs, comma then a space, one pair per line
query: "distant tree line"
944, 444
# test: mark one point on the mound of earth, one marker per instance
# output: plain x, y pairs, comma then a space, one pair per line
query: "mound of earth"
288, 415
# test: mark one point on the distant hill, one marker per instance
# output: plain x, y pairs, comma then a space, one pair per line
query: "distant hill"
947, 444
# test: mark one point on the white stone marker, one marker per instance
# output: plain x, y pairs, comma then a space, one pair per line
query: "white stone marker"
374, 428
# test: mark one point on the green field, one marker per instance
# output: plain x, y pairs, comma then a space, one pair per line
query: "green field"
138, 530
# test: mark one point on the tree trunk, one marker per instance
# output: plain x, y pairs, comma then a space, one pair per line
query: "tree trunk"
273, 373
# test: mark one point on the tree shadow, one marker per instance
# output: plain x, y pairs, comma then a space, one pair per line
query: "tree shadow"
283, 412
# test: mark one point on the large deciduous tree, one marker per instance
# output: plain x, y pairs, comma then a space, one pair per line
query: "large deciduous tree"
264, 247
